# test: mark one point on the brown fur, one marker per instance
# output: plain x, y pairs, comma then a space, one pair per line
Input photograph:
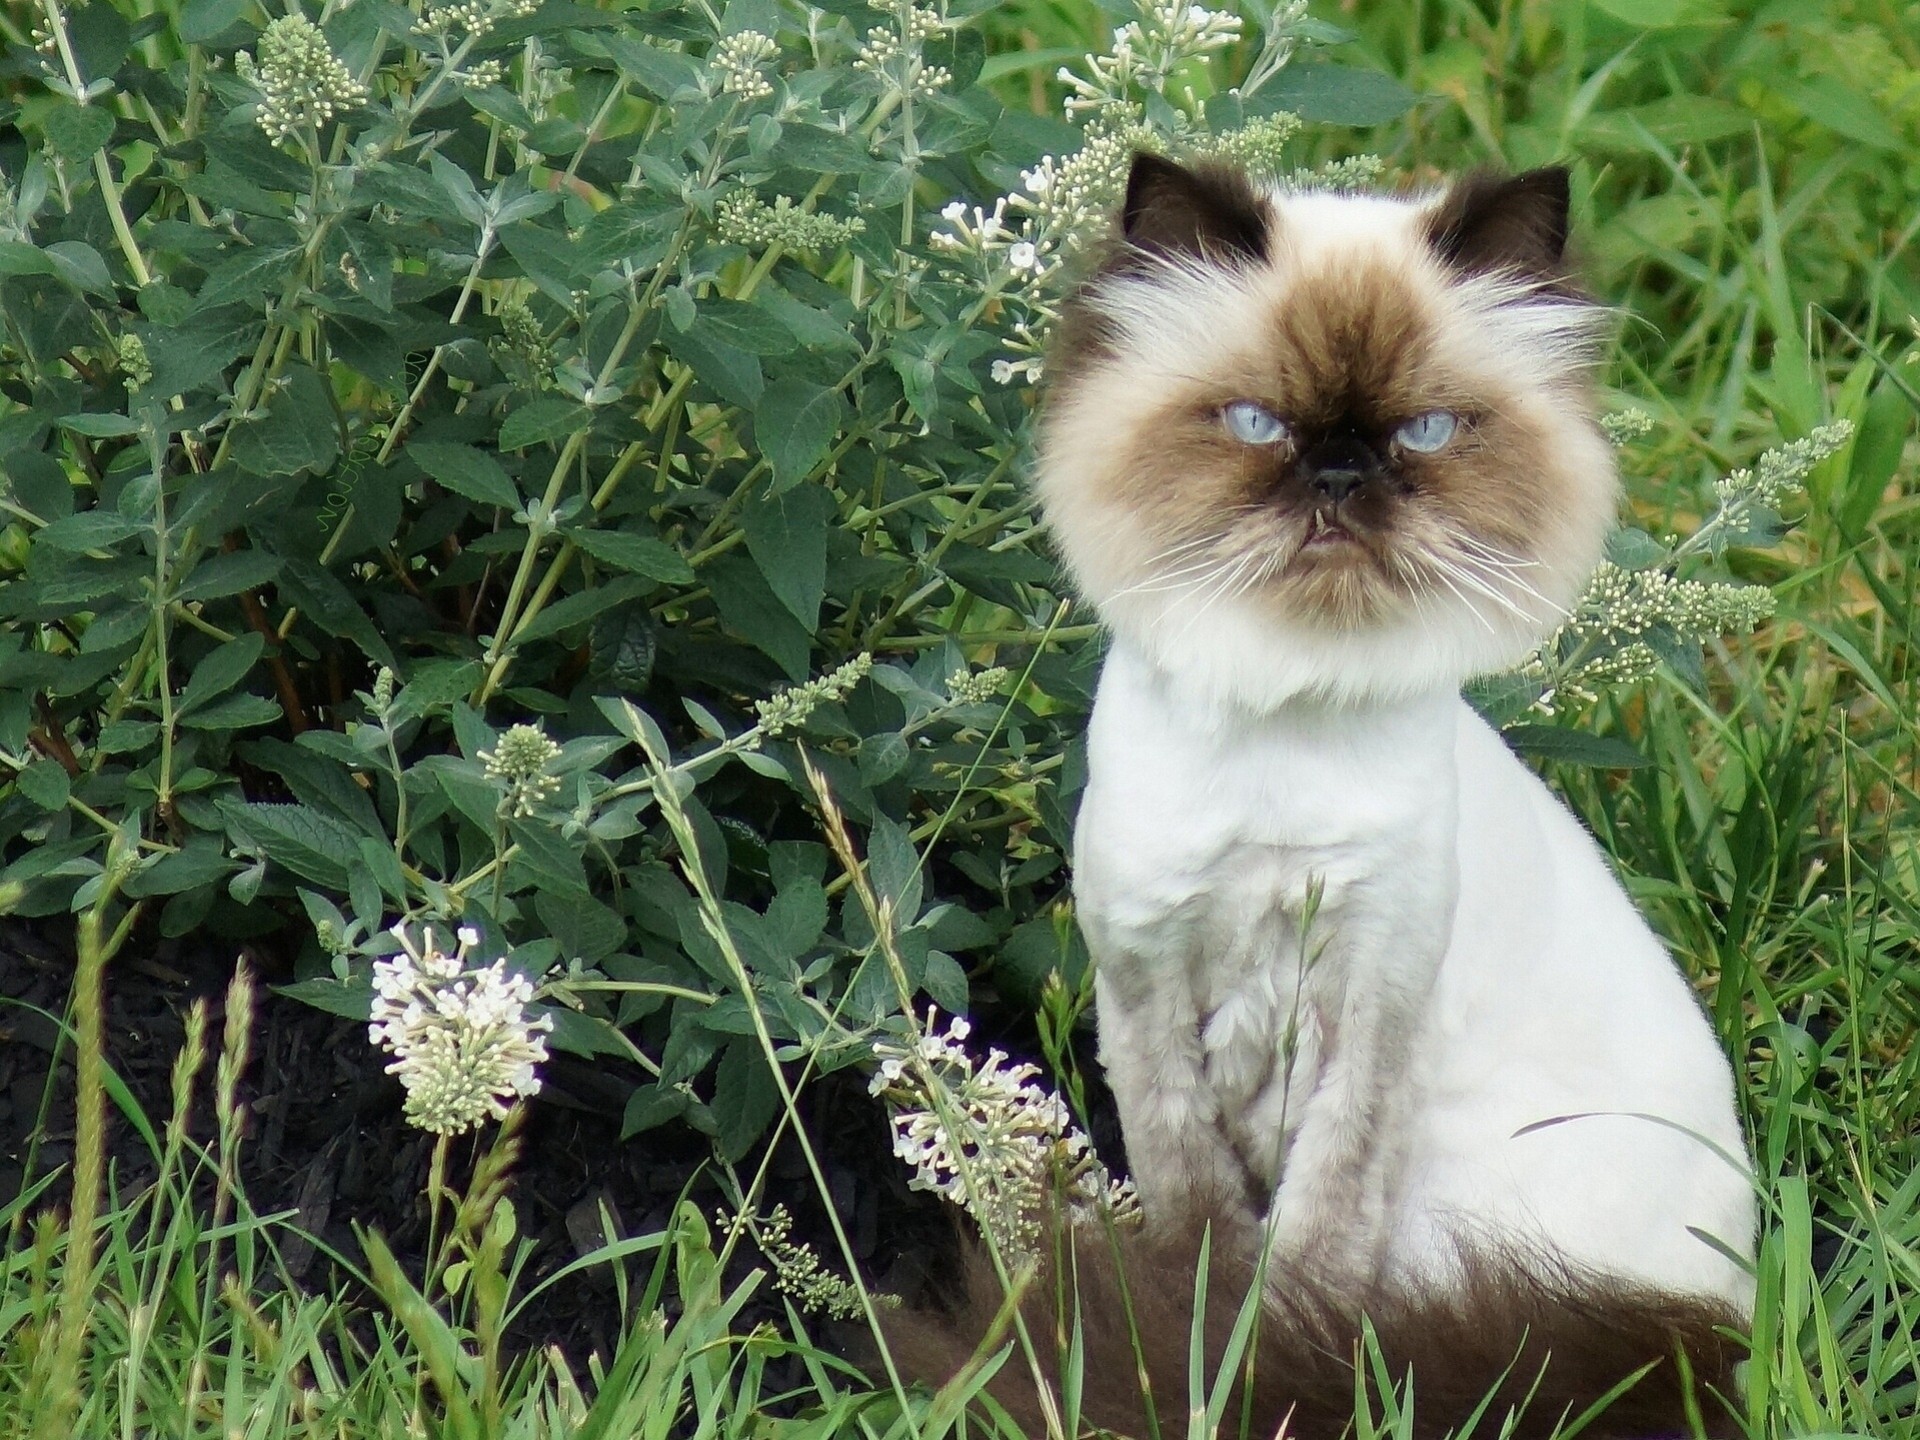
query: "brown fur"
1541, 1341
1514, 223
1347, 345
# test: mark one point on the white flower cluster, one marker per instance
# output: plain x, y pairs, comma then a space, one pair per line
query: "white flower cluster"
1061, 206
970, 687
519, 761
479, 76
302, 84
1780, 472
894, 54
738, 61
1622, 427
462, 1040
991, 1140
1622, 605
797, 1271
1258, 146
1603, 642
472, 18
745, 219
790, 708
1146, 52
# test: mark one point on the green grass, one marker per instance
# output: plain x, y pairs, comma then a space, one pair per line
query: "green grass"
1748, 191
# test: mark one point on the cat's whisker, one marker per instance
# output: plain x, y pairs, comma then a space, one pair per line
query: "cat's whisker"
1472, 609
1490, 554
1484, 585
1232, 574
1468, 564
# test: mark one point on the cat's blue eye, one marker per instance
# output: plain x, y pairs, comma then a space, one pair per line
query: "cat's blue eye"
1427, 433
1253, 424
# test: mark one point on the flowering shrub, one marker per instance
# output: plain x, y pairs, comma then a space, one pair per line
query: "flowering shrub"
990, 1138
441, 446
463, 1042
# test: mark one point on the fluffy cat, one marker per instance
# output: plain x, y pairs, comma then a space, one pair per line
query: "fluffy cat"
1367, 992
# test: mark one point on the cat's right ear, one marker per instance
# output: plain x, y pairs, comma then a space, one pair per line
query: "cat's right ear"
1210, 213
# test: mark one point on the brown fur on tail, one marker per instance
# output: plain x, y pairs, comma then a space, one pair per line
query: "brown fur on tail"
1543, 1341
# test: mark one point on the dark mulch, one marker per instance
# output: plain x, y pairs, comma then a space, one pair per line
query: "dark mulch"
326, 1138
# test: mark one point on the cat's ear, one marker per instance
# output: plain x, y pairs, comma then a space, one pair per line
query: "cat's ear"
1488, 223
1208, 213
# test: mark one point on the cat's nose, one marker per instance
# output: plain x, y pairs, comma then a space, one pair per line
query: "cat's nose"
1335, 485
1338, 467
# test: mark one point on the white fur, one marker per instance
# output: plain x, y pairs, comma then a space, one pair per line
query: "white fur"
1479, 971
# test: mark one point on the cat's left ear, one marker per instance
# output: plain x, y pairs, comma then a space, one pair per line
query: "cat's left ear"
1209, 212
1517, 224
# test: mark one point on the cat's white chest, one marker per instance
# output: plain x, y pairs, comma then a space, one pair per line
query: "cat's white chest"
1223, 876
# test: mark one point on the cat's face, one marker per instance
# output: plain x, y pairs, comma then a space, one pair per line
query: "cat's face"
1311, 442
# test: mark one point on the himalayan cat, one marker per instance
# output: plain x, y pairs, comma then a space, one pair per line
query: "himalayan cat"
1317, 459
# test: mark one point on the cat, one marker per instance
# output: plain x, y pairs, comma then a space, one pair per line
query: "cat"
1369, 999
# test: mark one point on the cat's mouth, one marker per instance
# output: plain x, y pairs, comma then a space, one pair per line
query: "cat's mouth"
1324, 532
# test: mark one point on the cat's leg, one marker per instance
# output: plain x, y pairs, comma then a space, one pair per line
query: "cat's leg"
1370, 984
1150, 1046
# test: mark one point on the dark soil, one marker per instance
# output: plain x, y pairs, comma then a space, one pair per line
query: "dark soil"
326, 1139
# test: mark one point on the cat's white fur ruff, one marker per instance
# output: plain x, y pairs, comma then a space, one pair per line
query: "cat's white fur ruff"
1488, 1047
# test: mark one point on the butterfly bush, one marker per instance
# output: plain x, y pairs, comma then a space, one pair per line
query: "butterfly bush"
1631, 616
1141, 93
463, 1044
986, 1136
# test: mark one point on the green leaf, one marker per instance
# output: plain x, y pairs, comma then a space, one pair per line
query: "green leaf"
1574, 747
257, 271
745, 1099
202, 861
78, 132
749, 606
17, 257
352, 999
743, 326
795, 424
583, 606
547, 418
38, 482
236, 712
228, 574
99, 427
80, 265
787, 537
298, 433
1827, 101
202, 20
313, 846
636, 554
222, 669
188, 356
45, 783
89, 530
467, 471
331, 606
732, 373
1661, 14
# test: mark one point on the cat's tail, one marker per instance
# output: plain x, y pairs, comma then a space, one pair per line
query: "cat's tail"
1538, 1342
